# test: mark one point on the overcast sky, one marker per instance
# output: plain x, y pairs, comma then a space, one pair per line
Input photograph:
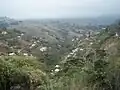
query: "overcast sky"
24, 9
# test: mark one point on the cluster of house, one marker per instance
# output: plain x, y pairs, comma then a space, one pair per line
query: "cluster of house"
56, 70
21, 51
88, 39
4, 32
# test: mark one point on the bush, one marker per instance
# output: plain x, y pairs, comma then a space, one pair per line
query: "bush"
20, 72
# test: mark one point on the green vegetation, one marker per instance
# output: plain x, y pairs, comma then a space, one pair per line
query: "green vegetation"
25, 72
87, 63
98, 69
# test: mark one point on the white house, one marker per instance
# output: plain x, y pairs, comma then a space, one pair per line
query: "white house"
11, 54
75, 50
91, 43
116, 34
32, 45
22, 34
4, 32
73, 40
25, 54
19, 36
81, 49
43, 49
57, 70
68, 55
57, 66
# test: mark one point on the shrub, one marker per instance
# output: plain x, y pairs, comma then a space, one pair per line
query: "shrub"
24, 72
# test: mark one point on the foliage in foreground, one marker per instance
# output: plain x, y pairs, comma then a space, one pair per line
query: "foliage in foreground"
21, 73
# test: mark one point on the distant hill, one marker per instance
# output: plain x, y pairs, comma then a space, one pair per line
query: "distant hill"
102, 20
54, 30
6, 22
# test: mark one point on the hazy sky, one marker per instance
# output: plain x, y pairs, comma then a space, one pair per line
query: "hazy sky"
58, 8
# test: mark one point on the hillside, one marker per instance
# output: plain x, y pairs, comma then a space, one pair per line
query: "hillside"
55, 55
93, 64
32, 35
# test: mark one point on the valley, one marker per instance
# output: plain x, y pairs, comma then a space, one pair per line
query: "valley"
58, 55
